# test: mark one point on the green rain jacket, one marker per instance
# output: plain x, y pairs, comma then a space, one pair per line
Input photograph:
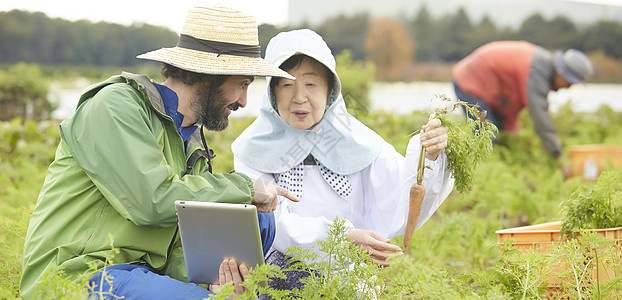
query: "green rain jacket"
117, 171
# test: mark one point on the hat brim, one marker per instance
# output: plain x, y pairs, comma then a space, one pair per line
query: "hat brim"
212, 63
563, 69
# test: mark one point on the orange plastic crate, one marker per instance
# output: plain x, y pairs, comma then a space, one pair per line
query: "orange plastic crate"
541, 237
585, 157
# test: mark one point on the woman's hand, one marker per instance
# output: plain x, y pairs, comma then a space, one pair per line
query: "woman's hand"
266, 195
379, 247
434, 138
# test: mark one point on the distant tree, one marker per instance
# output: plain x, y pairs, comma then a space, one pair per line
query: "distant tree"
23, 93
559, 33
604, 35
562, 34
344, 32
424, 31
454, 35
532, 29
482, 33
33, 37
266, 33
389, 47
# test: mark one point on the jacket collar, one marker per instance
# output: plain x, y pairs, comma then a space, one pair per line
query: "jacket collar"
154, 97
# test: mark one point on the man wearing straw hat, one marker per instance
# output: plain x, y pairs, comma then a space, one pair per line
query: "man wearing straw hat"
130, 150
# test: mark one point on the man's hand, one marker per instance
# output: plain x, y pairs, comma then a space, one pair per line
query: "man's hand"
379, 247
266, 195
229, 271
433, 138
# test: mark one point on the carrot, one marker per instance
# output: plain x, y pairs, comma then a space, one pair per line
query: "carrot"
417, 191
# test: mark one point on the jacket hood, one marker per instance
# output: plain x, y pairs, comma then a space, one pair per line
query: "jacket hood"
339, 141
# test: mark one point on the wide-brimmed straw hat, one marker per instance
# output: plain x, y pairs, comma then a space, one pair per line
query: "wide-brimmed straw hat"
220, 41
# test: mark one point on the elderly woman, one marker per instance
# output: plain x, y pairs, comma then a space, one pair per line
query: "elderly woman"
305, 141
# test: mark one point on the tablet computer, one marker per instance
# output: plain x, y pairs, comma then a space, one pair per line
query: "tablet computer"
211, 232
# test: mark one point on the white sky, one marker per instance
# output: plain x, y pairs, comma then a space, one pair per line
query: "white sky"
170, 14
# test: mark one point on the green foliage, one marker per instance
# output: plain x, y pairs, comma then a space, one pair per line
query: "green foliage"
560, 34
569, 267
12, 239
596, 206
34, 37
356, 82
578, 267
603, 36
55, 284
466, 148
23, 93
25, 152
345, 32
523, 275
453, 255
221, 141
26, 149
341, 270
338, 270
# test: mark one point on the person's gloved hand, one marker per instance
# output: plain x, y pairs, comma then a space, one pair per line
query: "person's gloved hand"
434, 138
266, 195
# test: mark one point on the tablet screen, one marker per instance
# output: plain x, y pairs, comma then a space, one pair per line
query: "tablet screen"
211, 232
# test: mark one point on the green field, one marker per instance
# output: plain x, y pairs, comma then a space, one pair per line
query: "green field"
455, 255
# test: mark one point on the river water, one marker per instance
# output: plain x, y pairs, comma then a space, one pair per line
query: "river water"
404, 98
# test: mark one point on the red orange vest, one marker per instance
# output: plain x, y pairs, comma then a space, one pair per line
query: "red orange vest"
497, 73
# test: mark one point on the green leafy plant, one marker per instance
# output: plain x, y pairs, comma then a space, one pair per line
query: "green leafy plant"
23, 93
338, 269
465, 148
524, 275
582, 268
591, 267
594, 206
518, 184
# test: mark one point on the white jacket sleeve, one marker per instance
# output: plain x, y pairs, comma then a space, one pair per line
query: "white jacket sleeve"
384, 207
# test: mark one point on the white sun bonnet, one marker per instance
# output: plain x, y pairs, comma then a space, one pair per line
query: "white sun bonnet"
339, 141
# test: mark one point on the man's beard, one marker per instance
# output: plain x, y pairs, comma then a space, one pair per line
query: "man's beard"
211, 110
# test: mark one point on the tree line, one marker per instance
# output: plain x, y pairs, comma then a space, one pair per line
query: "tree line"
33, 37
36, 38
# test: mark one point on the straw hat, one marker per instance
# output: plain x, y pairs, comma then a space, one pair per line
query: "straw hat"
220, 41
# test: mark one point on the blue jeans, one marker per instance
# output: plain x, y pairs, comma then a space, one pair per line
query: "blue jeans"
143, 282
491, 115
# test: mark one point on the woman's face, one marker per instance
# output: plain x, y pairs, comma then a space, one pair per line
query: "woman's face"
302, 102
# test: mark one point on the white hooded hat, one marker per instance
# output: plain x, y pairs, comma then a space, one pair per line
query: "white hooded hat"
339, 141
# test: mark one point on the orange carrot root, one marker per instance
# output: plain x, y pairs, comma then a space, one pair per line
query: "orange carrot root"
417, 191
